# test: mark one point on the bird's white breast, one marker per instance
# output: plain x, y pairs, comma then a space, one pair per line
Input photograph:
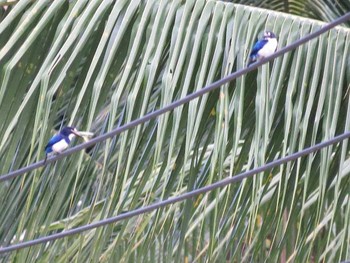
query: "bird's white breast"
60, 146
269, 48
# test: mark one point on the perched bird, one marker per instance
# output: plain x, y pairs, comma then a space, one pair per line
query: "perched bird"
264, 47
60, 141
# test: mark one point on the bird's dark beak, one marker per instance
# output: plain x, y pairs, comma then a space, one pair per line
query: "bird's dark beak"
76, 132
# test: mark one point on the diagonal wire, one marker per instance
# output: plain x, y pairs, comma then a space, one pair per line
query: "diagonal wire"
179, 102
187, 195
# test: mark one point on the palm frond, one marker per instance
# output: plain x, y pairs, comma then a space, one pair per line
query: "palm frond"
98, 65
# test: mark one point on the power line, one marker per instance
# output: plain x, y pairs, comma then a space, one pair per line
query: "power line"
179, 198
179, 102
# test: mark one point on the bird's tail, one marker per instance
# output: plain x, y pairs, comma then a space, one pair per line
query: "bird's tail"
45, 158
251, 61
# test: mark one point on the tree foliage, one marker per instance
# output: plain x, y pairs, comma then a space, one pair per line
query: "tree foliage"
100, 64
324, 10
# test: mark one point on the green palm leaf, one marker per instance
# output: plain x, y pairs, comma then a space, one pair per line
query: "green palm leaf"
325, 10
98, 65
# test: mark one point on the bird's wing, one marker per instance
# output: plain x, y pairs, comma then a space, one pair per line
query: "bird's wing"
56, 138
258, 45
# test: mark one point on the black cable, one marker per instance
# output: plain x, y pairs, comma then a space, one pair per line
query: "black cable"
179, 198
179, 102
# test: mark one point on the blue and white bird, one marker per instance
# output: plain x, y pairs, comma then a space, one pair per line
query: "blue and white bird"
264, 47
60, 141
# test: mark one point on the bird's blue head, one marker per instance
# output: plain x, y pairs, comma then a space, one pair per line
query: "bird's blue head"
269, 34
66, 131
